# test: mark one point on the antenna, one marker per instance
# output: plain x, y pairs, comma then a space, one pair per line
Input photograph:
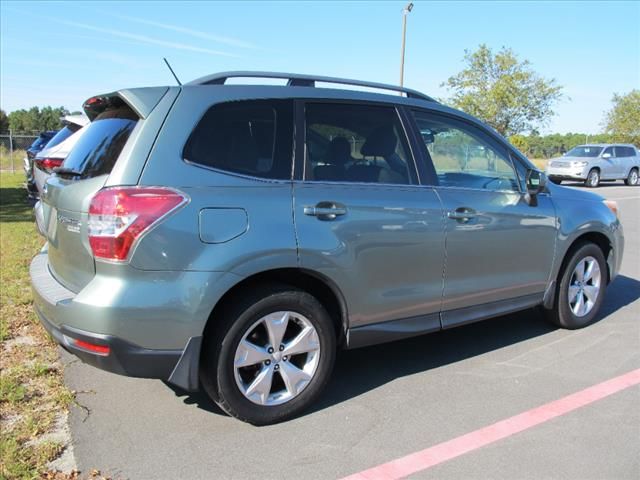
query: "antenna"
172, 72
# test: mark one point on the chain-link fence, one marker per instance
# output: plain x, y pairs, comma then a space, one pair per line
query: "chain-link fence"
13, 146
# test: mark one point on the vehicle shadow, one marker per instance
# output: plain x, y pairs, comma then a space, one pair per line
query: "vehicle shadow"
603, 185
365, 369
14, 206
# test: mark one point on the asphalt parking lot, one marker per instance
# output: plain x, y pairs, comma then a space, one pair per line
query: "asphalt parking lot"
392, 400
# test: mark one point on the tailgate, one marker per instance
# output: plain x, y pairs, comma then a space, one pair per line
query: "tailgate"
69, 191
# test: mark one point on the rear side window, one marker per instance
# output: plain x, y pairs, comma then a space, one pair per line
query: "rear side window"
99, 147
251, 138
356, 143
625, 152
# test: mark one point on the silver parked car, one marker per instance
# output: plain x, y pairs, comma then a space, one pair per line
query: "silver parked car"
595, 163
234, 237
54, 153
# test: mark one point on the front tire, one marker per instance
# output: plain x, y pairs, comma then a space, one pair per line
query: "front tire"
556, 180
593, 179
580, 289
632, 179
271, 356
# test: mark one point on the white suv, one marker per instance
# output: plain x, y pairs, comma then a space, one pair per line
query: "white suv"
595, 163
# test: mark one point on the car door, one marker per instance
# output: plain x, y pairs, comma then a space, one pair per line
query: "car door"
610, 167
499, 248
622, 161
363, 221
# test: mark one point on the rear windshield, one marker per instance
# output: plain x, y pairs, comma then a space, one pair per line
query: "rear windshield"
63, 134
38, 143
99, 147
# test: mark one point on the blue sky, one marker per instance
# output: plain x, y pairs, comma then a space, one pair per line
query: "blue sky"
62, 53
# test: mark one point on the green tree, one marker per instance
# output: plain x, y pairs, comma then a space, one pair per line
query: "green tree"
36, 119
4, 121
503, 91
520, 142
623, 120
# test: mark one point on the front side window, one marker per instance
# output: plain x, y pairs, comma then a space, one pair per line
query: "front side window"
608, 152
252, 138
462, 157
356, 143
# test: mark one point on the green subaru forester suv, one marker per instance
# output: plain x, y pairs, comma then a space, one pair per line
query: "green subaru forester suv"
234, 237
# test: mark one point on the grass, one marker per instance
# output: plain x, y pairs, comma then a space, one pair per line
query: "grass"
32, 392
11, 161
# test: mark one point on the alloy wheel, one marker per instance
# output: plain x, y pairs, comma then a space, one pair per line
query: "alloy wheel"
277, 358
584, 286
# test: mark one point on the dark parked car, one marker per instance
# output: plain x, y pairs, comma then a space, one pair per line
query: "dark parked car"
37, 145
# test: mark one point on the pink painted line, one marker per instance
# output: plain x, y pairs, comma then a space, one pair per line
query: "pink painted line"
453, 448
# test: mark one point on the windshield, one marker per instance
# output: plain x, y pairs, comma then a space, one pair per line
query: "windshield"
63, 134
584, 152
99, 147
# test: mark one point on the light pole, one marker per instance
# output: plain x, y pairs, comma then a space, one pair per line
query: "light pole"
405, 12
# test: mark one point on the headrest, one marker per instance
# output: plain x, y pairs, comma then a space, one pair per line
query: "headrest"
381, 142
339, 152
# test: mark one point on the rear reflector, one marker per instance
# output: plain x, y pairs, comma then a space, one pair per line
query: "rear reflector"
120, 216
92, 347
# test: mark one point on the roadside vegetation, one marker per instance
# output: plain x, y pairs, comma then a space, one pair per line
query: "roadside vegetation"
33, 398
11, 161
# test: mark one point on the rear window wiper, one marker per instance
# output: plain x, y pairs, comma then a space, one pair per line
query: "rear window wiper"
67, 171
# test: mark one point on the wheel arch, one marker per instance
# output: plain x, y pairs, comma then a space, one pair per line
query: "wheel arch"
598, 238
321, 287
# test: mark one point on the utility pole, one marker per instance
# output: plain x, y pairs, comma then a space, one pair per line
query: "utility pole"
405, 12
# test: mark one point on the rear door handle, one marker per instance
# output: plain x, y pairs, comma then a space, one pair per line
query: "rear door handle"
462, 214
326, 210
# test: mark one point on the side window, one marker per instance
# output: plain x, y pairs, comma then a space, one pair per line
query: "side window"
247, 137
609, 151
356, 143
624, 152
461, 156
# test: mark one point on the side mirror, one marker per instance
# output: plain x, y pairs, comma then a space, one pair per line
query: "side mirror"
606, 155
536, 182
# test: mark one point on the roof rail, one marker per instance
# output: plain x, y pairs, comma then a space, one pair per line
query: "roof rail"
301, 80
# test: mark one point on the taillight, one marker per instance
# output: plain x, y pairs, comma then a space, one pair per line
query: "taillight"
119, 216
48, 164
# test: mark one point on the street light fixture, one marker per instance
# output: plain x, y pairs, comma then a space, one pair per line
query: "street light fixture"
405, 12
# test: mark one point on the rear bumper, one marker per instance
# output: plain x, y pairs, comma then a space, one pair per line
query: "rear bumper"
124, 358
63, 313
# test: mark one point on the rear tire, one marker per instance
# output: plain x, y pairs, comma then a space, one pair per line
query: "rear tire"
578, 299
593, 179
270, 386
557, 181
633, 179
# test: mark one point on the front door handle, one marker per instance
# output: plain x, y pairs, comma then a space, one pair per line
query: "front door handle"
462, 214
326, 210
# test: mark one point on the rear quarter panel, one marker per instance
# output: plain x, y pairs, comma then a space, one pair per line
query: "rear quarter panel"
266, 241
